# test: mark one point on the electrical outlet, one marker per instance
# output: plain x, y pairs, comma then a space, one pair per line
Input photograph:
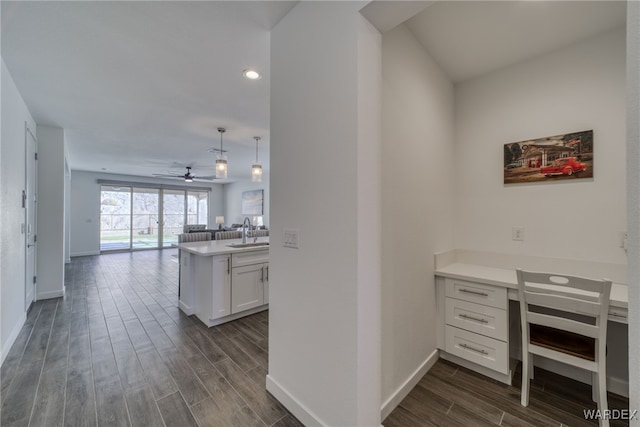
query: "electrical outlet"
517, 233
290, 238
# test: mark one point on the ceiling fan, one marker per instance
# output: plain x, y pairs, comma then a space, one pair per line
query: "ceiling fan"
188, 177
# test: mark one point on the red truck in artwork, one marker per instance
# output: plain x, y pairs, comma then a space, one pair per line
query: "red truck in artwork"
563, 166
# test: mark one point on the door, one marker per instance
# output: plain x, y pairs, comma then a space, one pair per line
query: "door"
247, 287
29, 200
145, 218
115, 218
173, 216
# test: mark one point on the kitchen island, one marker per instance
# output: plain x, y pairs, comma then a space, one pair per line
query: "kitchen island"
223, 280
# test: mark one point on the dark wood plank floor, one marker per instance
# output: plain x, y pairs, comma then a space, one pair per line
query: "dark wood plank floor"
116, 351
449, 395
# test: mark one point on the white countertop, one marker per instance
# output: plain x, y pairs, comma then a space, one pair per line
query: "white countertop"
220, 247
507, 278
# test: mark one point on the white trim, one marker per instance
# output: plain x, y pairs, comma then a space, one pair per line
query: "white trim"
300, 411
12, 338
87, 253
67, 261
394, 400
49, 295
186, 309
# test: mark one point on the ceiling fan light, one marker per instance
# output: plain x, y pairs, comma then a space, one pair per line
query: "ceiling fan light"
256, 172
188, 179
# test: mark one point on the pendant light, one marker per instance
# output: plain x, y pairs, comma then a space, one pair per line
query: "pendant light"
221, 161
256, 169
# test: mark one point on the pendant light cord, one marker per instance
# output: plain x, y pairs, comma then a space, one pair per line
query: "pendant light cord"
257, 138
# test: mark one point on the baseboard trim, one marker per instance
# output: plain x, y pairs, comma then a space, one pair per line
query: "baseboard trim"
301, 412
49, 295
408, 385
87, 253
6, 346
186, 309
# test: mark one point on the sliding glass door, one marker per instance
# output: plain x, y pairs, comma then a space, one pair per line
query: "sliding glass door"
115, 218
173, 216
137, 217
146, 204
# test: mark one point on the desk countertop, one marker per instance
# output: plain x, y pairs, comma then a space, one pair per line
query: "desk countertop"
507, 278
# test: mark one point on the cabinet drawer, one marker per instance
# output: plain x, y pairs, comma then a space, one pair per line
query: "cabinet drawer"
489, 321
250, 257
488, 352
493, 296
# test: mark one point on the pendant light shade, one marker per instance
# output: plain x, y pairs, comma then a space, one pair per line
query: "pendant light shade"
256, 168
221, 161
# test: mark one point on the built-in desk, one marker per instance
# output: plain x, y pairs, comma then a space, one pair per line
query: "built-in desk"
476, 328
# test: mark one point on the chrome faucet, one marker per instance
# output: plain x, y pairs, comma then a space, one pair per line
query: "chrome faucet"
246, 226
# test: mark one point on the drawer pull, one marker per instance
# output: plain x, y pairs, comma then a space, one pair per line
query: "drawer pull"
477, 319
467, 291
468, 347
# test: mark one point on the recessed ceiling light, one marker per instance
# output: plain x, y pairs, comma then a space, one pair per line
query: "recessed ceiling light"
251, 74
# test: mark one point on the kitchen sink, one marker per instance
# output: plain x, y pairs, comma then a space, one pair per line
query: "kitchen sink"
248, 245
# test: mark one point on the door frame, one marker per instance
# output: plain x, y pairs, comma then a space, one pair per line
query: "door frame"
30, 204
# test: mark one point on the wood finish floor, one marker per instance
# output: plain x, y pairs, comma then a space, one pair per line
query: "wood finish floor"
450, 395
116, 351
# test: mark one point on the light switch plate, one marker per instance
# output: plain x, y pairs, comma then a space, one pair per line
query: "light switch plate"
290, 238
517, 233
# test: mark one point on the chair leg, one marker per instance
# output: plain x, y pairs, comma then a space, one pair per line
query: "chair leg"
602, 396
526, 371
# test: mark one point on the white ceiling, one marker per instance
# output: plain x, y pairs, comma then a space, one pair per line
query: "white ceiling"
140, 87
471, 38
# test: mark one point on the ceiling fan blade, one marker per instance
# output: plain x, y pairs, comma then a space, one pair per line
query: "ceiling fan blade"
208, 178
164, 175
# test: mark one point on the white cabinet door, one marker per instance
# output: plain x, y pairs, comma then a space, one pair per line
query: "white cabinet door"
248, 287
221, 289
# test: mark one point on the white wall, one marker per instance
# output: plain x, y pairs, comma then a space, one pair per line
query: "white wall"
51, 209
633, 199
417, 209
12, 244
577, 88
85, 206
233, 200
317, 345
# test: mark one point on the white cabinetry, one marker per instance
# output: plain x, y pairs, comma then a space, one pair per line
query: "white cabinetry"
224, 287
213, 287
250, 280
474, 326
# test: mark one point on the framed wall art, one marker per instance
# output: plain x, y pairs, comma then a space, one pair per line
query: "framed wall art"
252, 202
550, 159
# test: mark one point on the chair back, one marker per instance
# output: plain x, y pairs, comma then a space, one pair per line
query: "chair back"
258, 233
193, 237
225, 235
565, 303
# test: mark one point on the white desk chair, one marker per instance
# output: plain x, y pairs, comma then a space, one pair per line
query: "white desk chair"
550, 328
